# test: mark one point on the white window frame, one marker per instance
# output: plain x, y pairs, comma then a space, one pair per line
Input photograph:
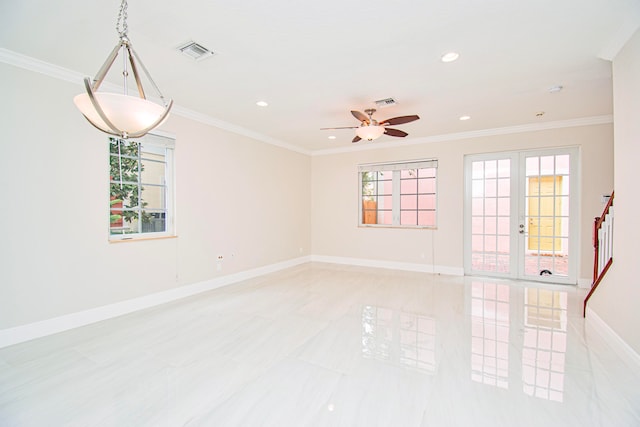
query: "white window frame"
166, 142
396, 168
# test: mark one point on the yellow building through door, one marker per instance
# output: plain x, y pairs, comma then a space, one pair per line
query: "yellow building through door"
544, 213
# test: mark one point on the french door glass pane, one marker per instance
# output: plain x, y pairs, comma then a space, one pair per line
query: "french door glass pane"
546, 215
490, 215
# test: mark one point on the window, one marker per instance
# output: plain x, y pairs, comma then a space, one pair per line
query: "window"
398, 194
141, 187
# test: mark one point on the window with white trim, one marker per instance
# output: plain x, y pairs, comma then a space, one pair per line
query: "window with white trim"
141, 187
401, 194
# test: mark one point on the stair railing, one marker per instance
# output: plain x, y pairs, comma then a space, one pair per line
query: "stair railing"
603, 248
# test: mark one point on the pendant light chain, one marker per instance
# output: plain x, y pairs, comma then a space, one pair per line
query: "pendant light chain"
121, 26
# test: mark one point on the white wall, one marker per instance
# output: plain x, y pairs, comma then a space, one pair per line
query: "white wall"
234, 195
335, 196
617, 299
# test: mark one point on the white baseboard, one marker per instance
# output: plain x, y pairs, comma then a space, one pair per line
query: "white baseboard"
55, 325
394, 265
620, 346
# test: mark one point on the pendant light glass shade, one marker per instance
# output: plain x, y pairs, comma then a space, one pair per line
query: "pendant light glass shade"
129, 114
370, 132
122, 115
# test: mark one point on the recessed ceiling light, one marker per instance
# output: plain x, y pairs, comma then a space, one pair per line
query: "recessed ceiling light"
262, 104
463, 118
332, 137
556, 88
450, 56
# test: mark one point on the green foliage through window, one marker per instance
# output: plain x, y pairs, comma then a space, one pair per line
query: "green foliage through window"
125, 169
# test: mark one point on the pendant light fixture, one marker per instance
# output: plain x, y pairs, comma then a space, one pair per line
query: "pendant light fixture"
121, 114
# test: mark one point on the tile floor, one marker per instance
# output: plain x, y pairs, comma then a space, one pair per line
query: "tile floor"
328, 345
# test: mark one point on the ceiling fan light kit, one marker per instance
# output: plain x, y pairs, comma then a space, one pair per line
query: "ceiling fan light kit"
370, 132
122, 115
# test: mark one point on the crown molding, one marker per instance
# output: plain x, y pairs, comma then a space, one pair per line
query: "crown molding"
211, 121
621, 37
51, 70
32, 64
532, 127
61, 73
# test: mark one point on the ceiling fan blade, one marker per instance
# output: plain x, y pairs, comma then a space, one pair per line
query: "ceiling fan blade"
399, 120
344, 127
356, 139
395, 132
360, 116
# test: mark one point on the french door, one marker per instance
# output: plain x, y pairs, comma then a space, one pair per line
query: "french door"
521, 215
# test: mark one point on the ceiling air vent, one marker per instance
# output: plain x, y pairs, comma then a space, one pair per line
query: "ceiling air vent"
195, 51
387, 102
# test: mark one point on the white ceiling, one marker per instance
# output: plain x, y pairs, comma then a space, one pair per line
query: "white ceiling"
314, 61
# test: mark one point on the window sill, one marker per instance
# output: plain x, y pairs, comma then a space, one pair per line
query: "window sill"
398, 227
139, 239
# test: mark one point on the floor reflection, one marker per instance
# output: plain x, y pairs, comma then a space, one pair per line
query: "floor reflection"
396, 336
545, 343
490, 333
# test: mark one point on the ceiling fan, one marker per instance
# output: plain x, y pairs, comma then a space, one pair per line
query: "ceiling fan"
371, 129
